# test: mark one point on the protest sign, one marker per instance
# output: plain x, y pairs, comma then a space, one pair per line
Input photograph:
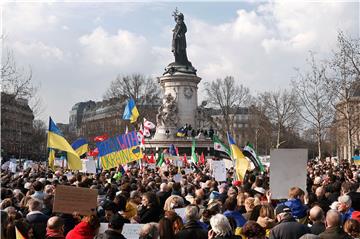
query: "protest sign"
288, 169
218, 170
12, 167
131, 231
119, 150
103, 227
180, 212
27, 164
177, 178
70, 199
89, 166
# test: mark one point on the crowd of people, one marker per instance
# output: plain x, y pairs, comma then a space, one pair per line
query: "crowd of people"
328, 208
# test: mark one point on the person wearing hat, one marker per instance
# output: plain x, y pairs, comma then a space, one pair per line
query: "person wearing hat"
115, 227
288, 227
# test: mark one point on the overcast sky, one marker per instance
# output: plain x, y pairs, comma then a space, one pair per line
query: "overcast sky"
76, 49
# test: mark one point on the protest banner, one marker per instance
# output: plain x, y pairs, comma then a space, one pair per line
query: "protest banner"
131, 231
70, 199
177, 178
218, 170
27, 164
288, 169
118, 150
103, 227
12, 167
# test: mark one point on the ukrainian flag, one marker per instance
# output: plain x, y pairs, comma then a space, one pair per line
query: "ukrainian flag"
80, 146
131, 113
56, 140
241, 163
51, 158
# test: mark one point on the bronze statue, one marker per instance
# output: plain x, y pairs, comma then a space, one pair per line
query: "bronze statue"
179, 40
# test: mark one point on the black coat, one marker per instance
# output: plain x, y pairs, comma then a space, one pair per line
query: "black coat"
288, 229
192, 229
151, 214
38, 222
317, 228
334, 233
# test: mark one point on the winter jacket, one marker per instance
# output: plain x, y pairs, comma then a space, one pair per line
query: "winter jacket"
192, 229
151, 214
288, 228
334, 233
52, 234
298, 210
81, 231
239, 219
317, 228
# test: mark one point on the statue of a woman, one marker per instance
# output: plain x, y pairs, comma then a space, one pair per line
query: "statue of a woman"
179, 40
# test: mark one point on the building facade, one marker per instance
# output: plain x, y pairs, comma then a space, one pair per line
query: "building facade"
17, 120
348, 119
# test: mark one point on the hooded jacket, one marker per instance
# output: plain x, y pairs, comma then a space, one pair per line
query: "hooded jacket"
81, 231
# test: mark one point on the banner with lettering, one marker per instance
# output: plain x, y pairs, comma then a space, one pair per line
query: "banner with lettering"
118, 150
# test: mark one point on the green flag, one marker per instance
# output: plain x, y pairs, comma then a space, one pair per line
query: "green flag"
160, 160
220, 146
193, 153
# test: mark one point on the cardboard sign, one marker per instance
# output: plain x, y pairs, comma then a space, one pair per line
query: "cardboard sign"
287, 169
69, 199
103, 227
219, 170
131, 231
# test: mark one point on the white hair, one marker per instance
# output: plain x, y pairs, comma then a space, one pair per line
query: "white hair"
220, 225
345, 199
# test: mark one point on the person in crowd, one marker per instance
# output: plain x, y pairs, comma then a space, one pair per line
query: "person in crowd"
88, 228
55, 228
132, 204
253, 230
163, 194
321, 199
333, 226
115, 227
296, 203
39, 194
149, 231
36, 218
345, 207
249, 206
150, 210
176, 221
110, 210
220, 228
229, 207
166, 230
288, 227
266, 218
352, 228
316, 216
192, 228
348, 188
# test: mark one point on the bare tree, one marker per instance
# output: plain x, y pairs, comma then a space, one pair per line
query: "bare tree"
343, 82
142, 89
225, 95
280, 108
314, 99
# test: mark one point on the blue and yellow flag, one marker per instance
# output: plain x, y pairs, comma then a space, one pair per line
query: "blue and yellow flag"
52, 158
56, 140
80, 146
131, 113
241, 163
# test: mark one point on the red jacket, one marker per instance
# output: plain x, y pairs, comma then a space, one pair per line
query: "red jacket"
81, 231
52, 234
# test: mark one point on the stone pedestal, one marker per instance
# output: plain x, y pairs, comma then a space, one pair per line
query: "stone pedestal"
183, 89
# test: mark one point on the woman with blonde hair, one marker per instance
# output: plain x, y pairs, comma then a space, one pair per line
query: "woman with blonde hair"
173, 202
266, 218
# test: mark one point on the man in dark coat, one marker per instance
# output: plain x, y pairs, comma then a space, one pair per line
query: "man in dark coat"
192, 228
317, 219
37, 219
288, 227
116, 225
333, 227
